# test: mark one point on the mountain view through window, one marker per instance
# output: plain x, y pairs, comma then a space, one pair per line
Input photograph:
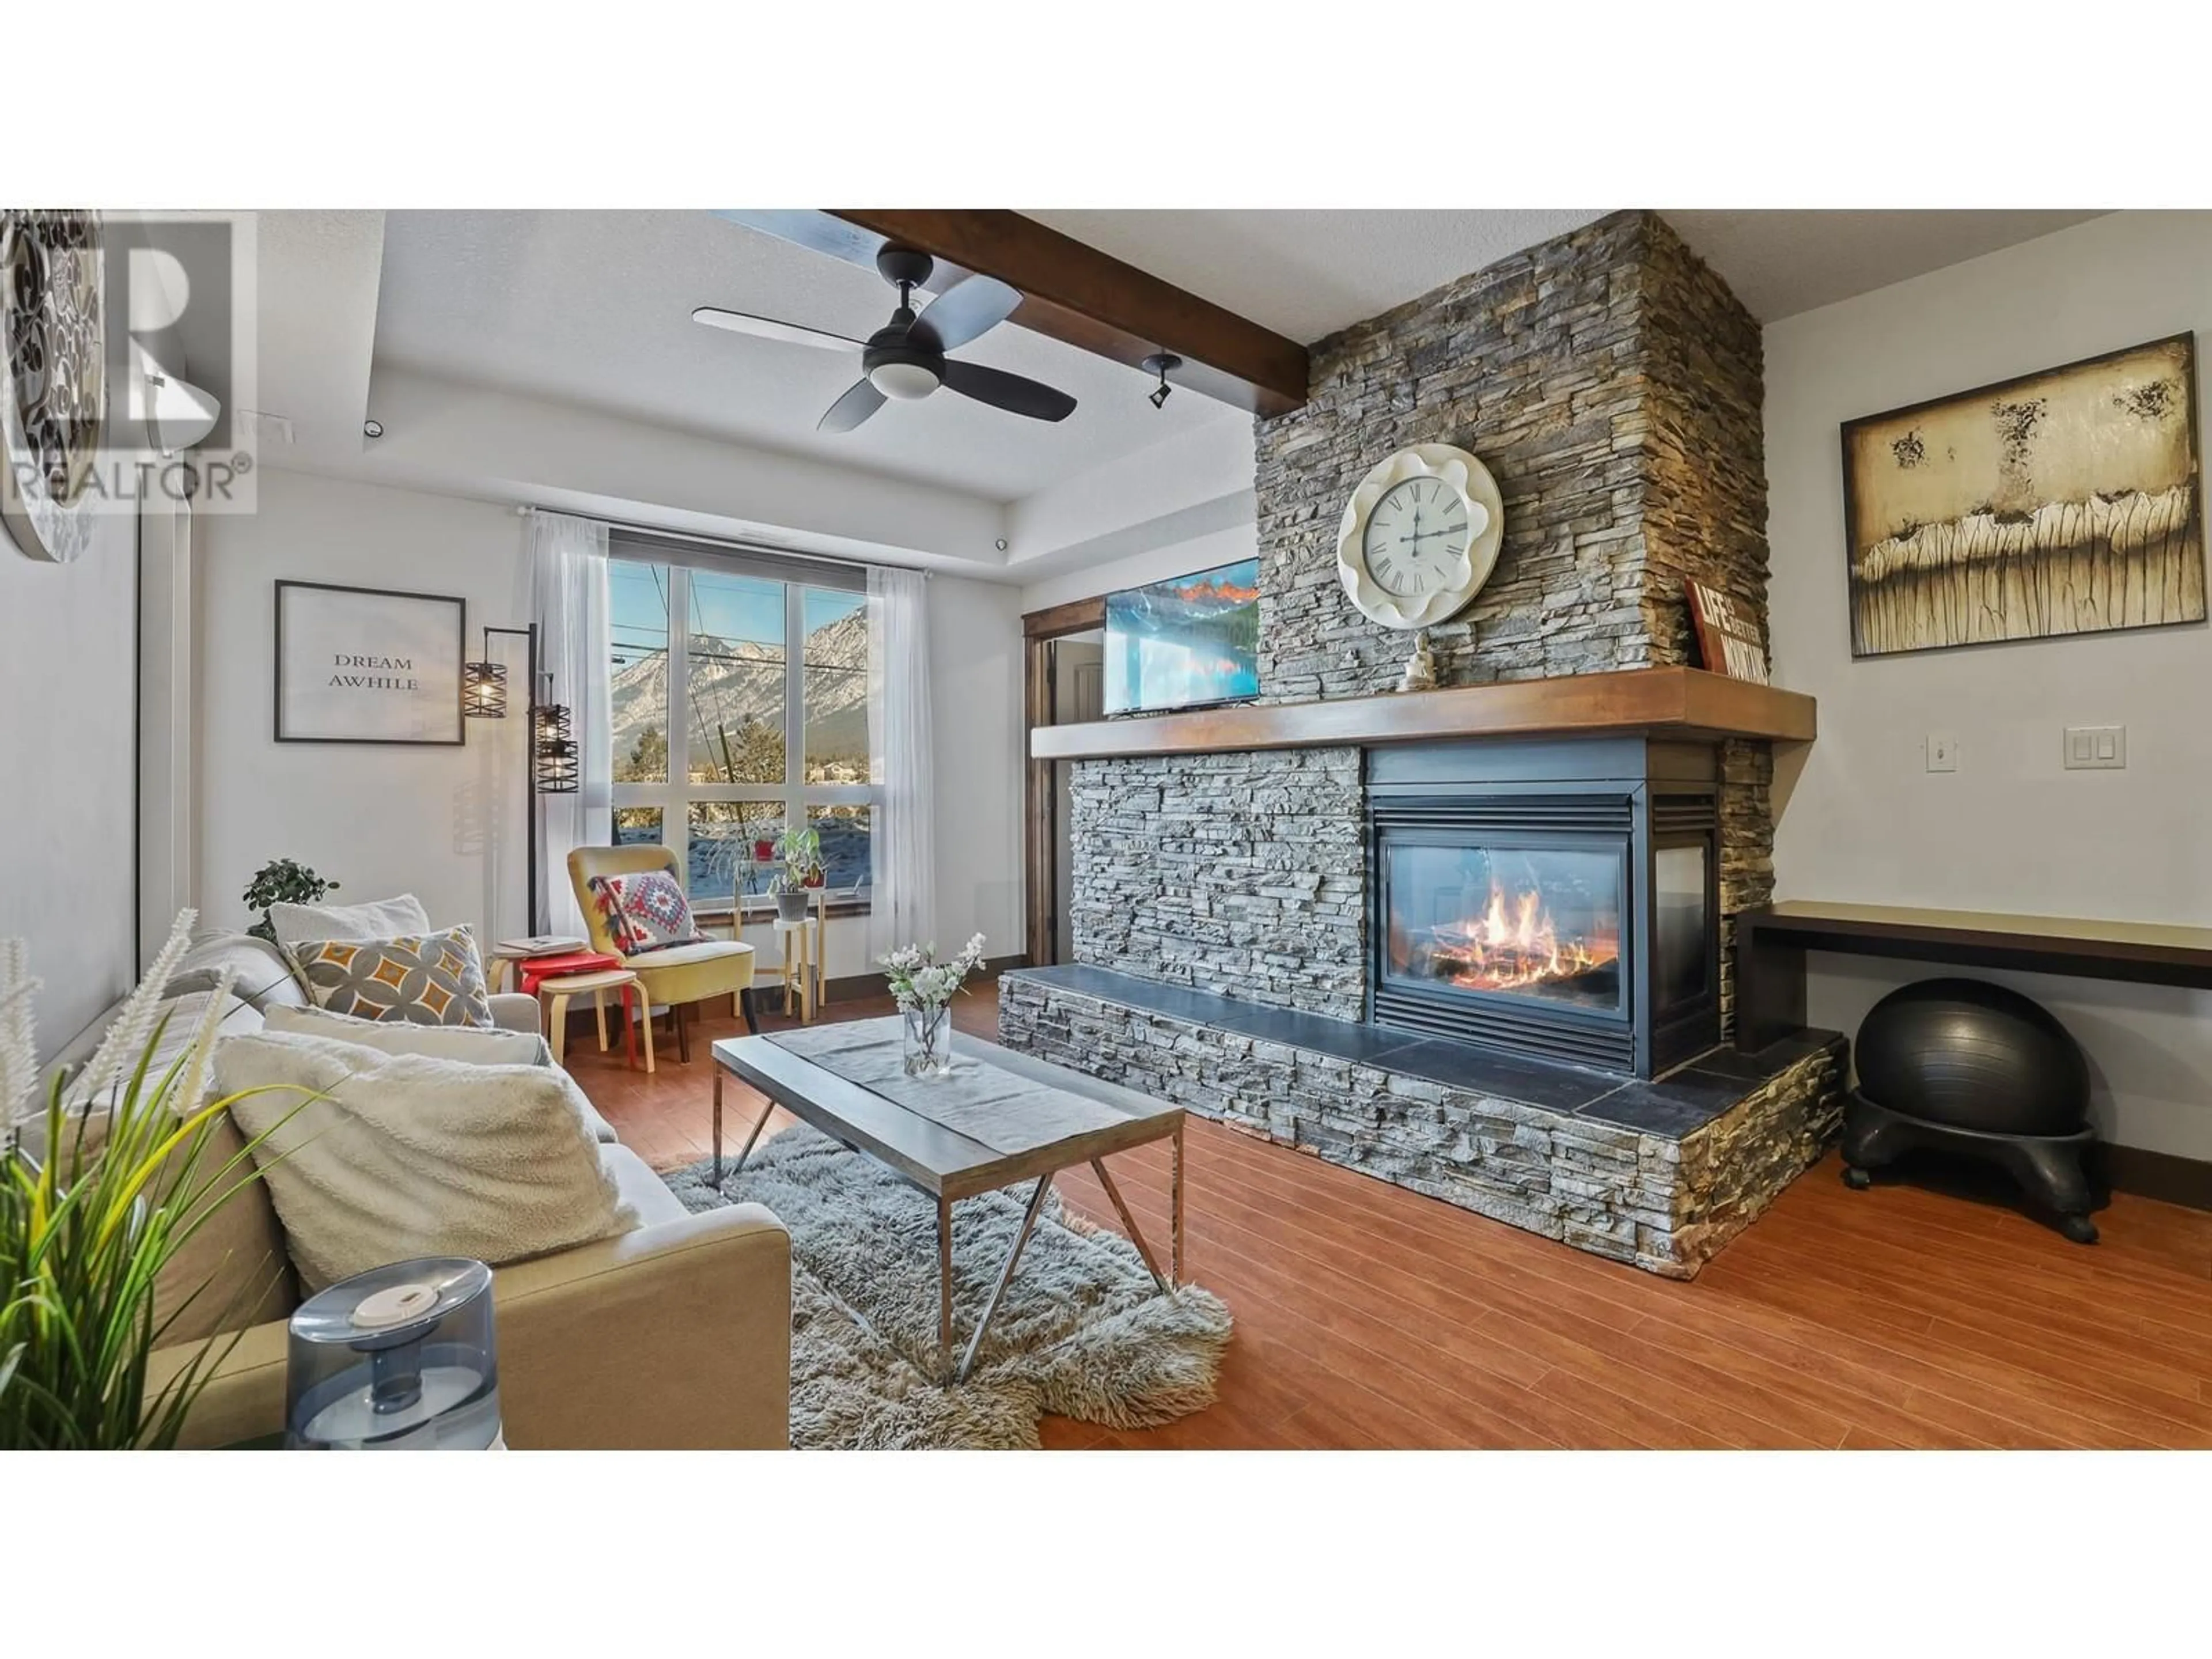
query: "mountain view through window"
703, 684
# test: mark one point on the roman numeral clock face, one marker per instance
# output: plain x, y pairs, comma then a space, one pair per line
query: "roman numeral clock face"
1416, 537
1419, 536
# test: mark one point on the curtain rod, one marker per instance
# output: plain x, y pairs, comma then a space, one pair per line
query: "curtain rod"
525, 510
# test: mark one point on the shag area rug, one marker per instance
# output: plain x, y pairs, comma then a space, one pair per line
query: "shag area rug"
1082, 1331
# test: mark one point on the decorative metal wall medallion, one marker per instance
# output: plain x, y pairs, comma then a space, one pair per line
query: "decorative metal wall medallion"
54, 354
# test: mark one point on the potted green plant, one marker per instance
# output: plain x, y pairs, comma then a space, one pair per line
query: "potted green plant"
86, 1232
282, 881
799, 851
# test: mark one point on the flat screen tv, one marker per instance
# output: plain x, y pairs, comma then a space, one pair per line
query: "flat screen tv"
1185, 643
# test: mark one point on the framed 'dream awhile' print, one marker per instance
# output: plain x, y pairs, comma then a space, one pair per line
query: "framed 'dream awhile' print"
2061, 503
360, 665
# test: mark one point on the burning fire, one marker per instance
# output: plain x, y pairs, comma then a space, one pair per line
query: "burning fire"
1514, 943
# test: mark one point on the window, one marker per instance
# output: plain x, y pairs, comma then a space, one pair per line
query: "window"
739, 700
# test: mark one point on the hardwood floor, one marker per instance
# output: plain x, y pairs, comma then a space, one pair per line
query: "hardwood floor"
1370, 1317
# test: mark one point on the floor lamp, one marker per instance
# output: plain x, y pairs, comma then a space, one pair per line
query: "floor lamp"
552, 767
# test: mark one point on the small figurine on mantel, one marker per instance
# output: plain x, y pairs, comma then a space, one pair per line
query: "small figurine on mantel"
1420, 667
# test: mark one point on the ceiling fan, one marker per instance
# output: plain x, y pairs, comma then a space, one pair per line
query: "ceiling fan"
905, 359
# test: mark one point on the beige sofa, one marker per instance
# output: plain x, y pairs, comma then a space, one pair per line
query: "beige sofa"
675, 1335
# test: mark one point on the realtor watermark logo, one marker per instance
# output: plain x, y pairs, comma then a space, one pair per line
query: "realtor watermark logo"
127, 367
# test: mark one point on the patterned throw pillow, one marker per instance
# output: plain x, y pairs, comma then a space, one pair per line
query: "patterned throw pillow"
431, 979
645, 911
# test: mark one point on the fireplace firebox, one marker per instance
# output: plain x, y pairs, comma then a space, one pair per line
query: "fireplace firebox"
1559, 898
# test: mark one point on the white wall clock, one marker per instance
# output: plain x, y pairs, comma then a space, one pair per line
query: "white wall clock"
54, 386
1419, 536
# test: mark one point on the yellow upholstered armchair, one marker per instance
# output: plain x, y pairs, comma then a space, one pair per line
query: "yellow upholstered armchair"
681, 974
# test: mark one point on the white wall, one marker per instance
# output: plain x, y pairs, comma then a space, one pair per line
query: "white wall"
168, 811
68, 835
443, 824
446, 823
2011, 830
1198, 484
975, 708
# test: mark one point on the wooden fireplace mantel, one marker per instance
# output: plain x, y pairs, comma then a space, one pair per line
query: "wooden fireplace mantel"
1684, 702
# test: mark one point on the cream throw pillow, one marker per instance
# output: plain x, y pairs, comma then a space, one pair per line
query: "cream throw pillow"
410, 1155
473, 1045
296, 924
478, 1045
261, 974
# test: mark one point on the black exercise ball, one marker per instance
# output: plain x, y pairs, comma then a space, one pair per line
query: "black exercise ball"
1975, 1056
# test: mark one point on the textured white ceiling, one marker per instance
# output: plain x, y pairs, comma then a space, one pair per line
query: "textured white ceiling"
1782, 261
594, 309
1307, 272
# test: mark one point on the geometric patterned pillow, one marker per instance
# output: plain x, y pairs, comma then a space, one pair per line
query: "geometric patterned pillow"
645, 911
430, 979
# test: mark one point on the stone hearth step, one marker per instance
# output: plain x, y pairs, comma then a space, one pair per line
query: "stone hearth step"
1659, 1174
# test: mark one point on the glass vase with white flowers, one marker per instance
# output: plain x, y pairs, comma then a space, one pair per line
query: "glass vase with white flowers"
924, 989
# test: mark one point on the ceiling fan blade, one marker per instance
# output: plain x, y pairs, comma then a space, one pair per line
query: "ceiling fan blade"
963, 310
1015, 393
859, 402
768, 328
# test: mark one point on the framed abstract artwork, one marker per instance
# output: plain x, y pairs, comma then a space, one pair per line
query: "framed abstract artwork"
361, 665
2061, 503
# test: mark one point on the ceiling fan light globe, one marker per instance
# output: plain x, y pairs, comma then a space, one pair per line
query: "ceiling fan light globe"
905, 381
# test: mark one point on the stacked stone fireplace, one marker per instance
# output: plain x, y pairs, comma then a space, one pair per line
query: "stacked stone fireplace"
1230, 910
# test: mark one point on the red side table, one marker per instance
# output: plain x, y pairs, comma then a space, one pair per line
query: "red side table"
530, 970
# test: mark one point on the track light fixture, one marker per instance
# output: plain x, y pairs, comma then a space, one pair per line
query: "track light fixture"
1160, 364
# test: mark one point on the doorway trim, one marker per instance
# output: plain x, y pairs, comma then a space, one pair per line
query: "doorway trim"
1041, 840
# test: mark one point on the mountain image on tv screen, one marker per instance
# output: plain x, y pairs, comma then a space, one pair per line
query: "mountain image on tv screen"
1182, 643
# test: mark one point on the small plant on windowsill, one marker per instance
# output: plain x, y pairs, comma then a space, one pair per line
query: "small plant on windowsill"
800, 852
282, 881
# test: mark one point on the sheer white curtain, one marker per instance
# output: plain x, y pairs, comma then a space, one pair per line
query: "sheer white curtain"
899, 758
565, 573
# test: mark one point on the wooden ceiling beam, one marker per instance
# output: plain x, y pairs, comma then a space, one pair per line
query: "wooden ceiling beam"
1074, 294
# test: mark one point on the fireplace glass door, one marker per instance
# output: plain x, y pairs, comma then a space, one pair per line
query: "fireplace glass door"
1683, 971
1541, 922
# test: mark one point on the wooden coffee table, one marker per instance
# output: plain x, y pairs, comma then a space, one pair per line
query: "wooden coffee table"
1001, 1119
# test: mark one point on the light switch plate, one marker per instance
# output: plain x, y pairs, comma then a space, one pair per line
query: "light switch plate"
1942, 752
2096, 748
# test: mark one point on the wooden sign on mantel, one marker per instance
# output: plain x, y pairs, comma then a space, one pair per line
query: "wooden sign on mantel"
1728, 640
